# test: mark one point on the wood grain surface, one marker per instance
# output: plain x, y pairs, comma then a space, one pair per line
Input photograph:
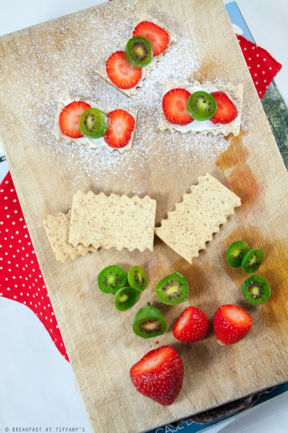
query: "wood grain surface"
39, 63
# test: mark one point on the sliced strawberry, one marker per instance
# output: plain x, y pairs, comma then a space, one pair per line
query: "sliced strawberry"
158, 37
226, 111
70, 117
192, 325
174, 106
121, 126
120, 72
231, 324
159, 375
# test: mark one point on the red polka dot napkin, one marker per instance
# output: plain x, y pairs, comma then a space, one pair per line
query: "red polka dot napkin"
20, 275
262, 66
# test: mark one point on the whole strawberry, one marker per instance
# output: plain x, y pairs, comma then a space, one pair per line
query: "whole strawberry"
192, 325
231, 324
159, 375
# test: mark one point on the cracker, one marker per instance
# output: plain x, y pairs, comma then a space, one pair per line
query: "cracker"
98, 145
112, 221
197, 217
57, 230
234, 92
101, 70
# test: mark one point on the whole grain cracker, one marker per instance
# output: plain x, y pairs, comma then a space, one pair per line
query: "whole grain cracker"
57, 230
112, 221
197, 217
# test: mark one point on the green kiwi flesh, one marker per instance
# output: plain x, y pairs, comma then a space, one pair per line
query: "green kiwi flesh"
149, 322
256, 290
172, 289
111, 279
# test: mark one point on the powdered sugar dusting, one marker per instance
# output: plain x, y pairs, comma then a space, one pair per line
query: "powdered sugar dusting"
66, 65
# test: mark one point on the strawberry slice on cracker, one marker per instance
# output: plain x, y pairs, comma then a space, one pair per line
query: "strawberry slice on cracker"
174, 105
69, 119
120, 129
158, 37
121, 72
226, 111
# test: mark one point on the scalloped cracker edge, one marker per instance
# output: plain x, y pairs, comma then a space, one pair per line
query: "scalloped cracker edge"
112, 221
197, 217
235, 93
101, 70
57, 230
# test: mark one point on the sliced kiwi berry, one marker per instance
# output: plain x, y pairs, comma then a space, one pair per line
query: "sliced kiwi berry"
256, 290
173, 289
137, 278
235, 253
125, 298
201, 105
111, 279
252, 260
93, 123
139, 52
149, 322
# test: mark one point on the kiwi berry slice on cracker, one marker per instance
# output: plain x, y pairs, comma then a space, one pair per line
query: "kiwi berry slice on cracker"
93, 123
149, 322
139, 52
111, 279
256, 290
172, 289
201, 105
252, 260
235, 253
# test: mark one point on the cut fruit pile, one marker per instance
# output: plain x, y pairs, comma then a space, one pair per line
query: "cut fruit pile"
181, 107
79, 119
154, 375
124, 68
159, 374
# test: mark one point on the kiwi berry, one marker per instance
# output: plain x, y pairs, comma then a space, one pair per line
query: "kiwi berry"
201, 105
93, 123
137, 278
111, 279
256, 290
252, 260
149, 322
173, 289
125, 298
235, 253
139, 52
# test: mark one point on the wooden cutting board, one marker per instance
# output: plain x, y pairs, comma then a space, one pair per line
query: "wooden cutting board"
40, 64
